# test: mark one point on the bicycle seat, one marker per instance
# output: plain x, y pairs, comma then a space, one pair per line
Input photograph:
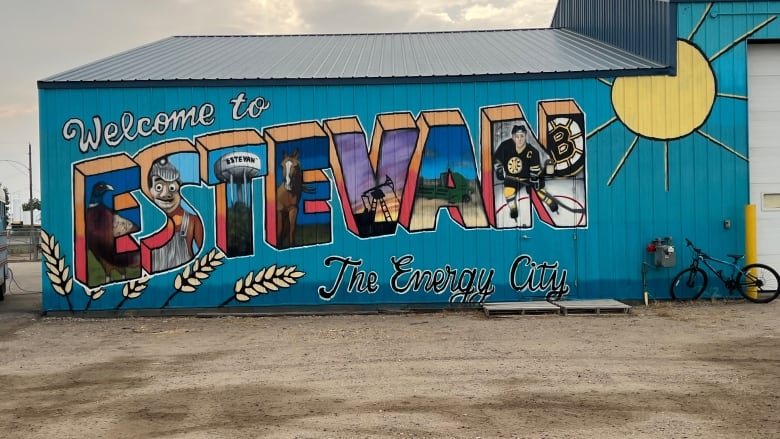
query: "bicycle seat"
736, 257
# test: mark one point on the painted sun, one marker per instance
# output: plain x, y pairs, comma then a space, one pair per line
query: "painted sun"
668, 108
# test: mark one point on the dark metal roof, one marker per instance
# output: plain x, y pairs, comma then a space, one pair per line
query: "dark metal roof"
644, 27
359, 57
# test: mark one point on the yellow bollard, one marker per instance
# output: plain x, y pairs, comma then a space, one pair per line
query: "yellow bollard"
751, 252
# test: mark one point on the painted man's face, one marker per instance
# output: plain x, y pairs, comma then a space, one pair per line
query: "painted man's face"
165, 194
519, 138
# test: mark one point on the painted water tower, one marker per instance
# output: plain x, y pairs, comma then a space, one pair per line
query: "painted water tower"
238, 169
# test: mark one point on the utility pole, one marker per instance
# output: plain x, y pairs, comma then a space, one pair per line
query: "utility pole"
29, 172
33, 236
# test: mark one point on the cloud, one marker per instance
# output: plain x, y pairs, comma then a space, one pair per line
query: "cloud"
497, 14
517, 14
12, 111
371, 16
269, 17
481, 12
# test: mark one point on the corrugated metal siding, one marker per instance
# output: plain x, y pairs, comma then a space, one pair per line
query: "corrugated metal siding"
722, 29
603, 260
410, 55
644, 27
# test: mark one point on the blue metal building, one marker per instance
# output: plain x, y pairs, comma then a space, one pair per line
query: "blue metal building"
416, 169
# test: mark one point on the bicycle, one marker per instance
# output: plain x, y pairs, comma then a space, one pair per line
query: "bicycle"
755, 282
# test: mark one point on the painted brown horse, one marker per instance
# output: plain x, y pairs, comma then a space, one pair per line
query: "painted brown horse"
288, 197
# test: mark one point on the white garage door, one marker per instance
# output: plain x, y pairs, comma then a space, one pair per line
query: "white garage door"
764, 149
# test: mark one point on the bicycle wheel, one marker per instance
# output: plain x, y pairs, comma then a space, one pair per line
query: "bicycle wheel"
689, 284
758, 283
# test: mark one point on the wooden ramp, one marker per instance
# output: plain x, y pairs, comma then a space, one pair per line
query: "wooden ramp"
534, 307
564, 307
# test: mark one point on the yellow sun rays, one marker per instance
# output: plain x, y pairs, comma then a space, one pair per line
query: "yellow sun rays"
742, 38
667, 108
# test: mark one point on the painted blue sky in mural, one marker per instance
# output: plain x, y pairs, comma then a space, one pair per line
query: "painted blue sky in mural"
448, 148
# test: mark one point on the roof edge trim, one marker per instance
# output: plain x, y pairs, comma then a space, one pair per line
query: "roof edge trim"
60, 85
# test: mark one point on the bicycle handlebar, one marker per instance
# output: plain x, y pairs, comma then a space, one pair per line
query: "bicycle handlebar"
690, 244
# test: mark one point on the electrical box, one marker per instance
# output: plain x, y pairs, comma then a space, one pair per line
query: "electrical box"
664, 254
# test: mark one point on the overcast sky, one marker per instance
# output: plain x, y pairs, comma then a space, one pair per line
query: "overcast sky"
39, 38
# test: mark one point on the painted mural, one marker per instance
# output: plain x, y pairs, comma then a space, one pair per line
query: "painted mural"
133, 218
246, 197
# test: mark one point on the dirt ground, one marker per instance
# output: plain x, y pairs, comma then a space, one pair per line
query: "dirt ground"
707, 370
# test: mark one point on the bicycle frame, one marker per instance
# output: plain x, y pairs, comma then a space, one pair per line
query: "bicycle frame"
701, 257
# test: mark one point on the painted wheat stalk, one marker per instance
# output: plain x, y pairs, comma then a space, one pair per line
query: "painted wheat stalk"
56, 269
93, 294
133, 289
190, 279
266, 280
193, 275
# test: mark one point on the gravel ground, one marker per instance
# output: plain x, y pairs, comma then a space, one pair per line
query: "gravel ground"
704, 370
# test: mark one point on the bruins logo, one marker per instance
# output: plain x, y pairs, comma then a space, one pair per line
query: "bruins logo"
514, 165
565, 144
